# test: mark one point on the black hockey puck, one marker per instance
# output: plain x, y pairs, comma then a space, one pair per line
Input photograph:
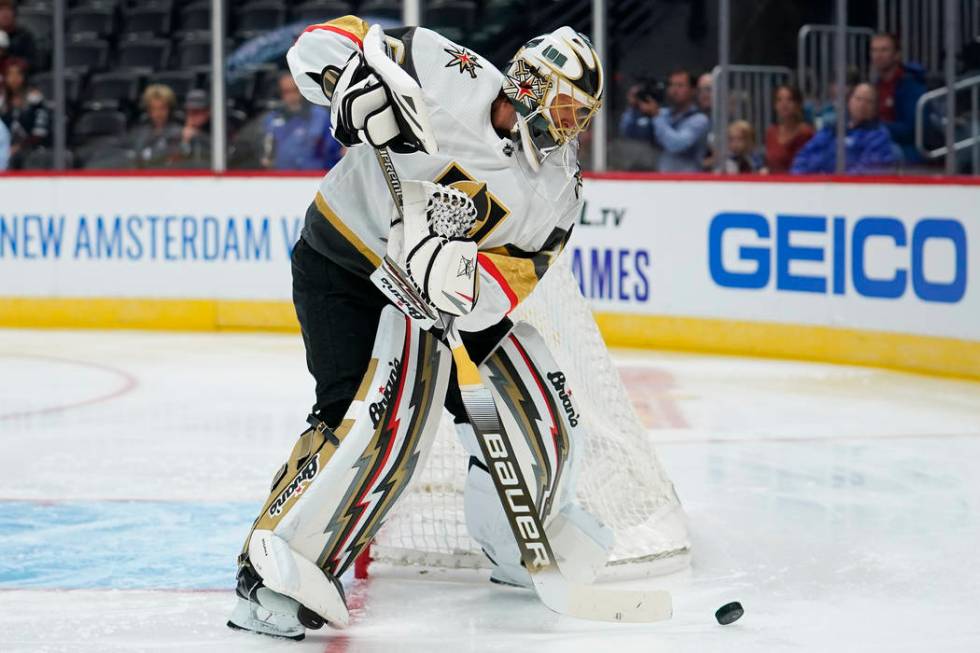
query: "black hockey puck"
310, 619
729, 613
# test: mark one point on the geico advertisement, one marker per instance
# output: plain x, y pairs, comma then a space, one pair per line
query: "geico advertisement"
873, 256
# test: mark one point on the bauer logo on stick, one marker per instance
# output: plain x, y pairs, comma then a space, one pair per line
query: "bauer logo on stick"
518, 499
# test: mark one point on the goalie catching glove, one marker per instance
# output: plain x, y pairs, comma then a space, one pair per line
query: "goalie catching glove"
361, 110
441, 261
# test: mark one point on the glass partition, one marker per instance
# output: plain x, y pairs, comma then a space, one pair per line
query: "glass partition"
135, 87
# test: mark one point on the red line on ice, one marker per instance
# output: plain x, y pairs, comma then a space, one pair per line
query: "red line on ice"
129, 383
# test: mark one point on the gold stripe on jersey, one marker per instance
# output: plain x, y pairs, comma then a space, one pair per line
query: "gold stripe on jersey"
517, 272
340, 235
522, 270
351, 24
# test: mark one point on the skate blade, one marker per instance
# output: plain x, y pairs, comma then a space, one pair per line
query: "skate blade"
245, 616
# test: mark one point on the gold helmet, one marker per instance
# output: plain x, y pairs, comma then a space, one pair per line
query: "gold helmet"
555, 82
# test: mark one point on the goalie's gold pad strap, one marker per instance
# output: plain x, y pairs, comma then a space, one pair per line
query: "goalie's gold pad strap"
537, 413
338, 487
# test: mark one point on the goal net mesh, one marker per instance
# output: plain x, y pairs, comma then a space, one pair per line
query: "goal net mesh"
620, 481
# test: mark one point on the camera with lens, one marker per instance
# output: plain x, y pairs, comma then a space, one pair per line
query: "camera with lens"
652, 89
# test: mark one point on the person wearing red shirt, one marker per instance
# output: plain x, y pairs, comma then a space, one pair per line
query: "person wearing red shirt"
789, 134
899, 86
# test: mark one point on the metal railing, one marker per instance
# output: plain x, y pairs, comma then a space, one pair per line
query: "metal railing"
750, 97
926, 119
816, 70
919, 27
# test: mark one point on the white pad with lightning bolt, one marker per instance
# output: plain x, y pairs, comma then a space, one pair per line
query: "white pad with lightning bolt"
341, 484
542, 420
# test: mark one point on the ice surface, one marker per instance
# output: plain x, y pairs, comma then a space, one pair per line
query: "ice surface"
839, 505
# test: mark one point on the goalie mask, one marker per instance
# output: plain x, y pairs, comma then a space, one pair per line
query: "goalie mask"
555, 82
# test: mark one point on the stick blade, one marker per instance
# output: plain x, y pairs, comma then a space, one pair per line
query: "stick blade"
600, 603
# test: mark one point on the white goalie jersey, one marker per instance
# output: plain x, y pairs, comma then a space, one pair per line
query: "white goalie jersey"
524, 218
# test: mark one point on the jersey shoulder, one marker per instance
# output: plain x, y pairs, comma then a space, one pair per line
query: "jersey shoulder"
454, 77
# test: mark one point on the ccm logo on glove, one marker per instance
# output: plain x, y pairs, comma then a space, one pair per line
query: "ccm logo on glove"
445, 271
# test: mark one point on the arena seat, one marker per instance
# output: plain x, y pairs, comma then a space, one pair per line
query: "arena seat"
95, 21
153, 19
144, 54
118, 89
87, 55
258, 17
318, 11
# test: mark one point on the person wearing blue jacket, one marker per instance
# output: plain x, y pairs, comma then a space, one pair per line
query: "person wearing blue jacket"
899, 86
868, 148
297, 136
680, 128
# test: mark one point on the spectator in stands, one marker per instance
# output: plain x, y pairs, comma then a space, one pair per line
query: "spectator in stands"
680, 128
297, 136
4, 146
790, 133
636, 149
194, 148
742, 155
899, 86
826, 115
704, 93
21, 41
155, 141
23, 112
869, 147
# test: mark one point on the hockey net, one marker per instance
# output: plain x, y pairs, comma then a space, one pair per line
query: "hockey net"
621, 481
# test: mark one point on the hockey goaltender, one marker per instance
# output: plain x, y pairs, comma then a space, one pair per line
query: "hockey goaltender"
507, 159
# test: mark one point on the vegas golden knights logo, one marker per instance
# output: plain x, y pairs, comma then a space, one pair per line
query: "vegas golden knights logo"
490, 211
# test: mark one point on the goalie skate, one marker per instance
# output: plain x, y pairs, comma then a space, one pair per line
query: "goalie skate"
260, 610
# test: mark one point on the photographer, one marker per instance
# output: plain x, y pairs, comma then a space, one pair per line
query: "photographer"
681, 129
636, 149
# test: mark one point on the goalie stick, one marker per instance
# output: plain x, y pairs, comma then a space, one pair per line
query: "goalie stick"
556, 591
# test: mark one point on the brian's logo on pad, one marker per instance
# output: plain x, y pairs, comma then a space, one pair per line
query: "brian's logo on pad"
296, 487
378, 408
557, 380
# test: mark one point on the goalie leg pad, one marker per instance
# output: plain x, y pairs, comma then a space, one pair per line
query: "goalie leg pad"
544, 425
580, 541
339, 484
